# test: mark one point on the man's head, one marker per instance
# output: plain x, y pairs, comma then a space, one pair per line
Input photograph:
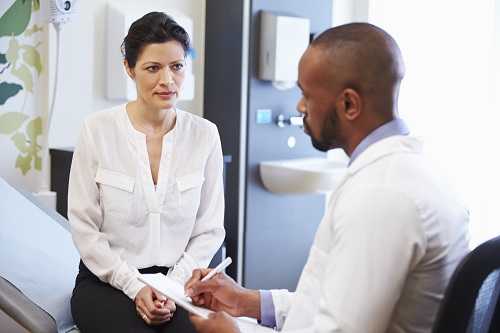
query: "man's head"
349, 77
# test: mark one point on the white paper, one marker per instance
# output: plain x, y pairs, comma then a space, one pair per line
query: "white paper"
175, 291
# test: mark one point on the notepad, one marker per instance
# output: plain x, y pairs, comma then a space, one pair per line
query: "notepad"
175, 291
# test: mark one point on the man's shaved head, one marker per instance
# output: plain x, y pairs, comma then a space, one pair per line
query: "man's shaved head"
362, 57
349, 77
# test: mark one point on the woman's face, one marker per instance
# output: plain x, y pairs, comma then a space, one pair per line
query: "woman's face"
159, 74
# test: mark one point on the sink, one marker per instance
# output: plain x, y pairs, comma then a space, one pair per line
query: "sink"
305, 175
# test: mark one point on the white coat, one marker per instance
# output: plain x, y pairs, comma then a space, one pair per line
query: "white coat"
391, 237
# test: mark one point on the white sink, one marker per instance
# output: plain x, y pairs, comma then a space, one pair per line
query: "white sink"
305, 175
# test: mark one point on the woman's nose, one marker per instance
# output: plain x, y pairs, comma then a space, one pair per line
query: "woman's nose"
167, 77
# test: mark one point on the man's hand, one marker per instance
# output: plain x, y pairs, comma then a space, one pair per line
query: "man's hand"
221, 293
152, 307
218, 322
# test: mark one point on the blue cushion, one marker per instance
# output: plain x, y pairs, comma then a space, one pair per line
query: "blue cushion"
37, 254
486, 302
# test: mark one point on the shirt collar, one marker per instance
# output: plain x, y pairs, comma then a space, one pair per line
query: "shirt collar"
395, 127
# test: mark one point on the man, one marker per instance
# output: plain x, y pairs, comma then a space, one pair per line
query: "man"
392, 233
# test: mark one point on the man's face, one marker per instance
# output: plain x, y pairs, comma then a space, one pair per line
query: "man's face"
317, 103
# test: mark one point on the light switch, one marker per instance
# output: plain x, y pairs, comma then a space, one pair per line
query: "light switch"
264, 116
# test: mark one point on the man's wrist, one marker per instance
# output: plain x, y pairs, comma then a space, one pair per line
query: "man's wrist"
249, 304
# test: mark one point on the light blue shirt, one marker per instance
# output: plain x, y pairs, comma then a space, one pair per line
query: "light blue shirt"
395, 127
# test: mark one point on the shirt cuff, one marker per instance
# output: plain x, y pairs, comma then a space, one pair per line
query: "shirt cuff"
267, 316
133, 288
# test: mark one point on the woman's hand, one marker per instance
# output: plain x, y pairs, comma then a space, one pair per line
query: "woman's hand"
219, 322
221, 293
153, 307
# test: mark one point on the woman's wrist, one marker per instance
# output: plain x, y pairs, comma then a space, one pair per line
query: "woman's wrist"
249, 304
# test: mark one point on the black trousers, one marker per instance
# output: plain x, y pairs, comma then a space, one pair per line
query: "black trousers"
98, 307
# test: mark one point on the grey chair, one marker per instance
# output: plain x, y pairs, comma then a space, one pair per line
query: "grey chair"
471, 303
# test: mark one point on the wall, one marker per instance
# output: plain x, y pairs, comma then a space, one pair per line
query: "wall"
23, 93
496, 37
82, 66
279, 229
268, 234
225, 105
82, 79
449, 97
82, 73
346, 11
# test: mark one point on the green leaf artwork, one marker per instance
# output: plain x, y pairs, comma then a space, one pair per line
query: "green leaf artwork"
32, 57
8, 90
28, 146
23, 73
33, 30
15, 20
36, 5
19, 140
13, 52
24, 63
11, 121
23, 163
34, 130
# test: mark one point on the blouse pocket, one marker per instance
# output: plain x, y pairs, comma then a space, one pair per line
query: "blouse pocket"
189, 187
116, 192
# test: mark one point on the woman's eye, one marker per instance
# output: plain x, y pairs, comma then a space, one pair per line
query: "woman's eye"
177, 67
153, 69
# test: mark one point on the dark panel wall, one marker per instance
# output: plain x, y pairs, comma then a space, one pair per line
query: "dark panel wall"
222, 98
279, 229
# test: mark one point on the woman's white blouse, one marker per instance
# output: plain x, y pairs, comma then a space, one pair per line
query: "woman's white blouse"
120, 223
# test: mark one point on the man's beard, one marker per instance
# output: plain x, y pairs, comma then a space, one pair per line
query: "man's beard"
319, 145
328, 138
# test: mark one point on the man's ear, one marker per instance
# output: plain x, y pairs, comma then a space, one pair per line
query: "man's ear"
130, 71
350, 104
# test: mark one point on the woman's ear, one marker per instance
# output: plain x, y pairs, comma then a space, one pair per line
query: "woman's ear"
130, 71
351, 104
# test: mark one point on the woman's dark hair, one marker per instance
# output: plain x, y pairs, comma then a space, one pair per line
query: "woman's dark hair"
154, 27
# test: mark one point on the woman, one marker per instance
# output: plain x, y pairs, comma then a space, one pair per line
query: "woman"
145, 190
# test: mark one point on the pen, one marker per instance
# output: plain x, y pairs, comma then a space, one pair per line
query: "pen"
220, 267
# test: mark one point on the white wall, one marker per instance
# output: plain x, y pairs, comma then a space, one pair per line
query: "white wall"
347, 11
449, 95
82, 80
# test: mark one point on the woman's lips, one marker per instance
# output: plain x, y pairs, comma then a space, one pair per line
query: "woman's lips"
166, 95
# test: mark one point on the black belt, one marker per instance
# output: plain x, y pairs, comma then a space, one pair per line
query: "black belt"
85, 273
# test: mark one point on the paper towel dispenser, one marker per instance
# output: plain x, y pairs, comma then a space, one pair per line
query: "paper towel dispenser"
283, 40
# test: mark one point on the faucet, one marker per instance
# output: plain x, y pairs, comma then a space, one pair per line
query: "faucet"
282, 120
